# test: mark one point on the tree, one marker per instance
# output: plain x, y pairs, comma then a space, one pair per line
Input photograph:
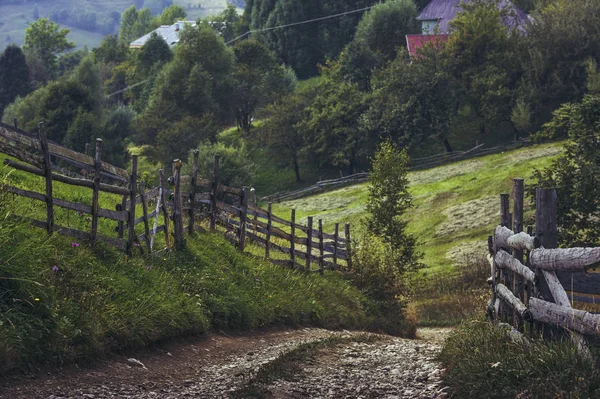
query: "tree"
155, 50
388, 202
226, 23
172, 14
259, 80
127, 33
110, 51
575, 175
118, 127
383, 29
14, 76
283, 135
46, 39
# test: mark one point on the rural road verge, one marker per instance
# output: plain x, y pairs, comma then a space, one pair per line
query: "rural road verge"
219, 366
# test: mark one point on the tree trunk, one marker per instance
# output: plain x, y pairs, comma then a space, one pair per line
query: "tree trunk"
296, 168
447, 145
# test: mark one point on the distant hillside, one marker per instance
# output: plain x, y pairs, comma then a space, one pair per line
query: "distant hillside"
88, 20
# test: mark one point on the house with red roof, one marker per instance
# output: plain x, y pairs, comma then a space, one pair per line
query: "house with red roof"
435, 22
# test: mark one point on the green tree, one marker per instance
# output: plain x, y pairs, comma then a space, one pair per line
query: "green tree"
14, 76
110, 51
156, 50
259, 80
226, 23
82, 130
575, 174
46, 39
118, 127
388, 202
172, 14
236, 168
129, 19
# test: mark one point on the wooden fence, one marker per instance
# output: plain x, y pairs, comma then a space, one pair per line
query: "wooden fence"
226, 208
533, 281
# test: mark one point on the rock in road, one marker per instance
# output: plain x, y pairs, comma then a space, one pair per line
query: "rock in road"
218, 365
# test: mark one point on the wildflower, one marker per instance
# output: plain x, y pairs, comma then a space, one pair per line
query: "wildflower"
149, 268
74, 244
37, 299
136, 244
55, 268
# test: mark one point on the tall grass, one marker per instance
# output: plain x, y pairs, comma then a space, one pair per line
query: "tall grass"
481, 362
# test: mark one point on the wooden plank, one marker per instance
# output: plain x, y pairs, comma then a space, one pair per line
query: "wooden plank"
48, 175
24, 193
309, 243
164, 208
584, 283
565, 317
348, 247
96, 189
82, 235
292, 238
280, 262
132, 195
21, 155
228, 208
509, 298
565, 259
506, 261
193, 190
505, 216
335, 243
321, 248
269, 227
151, 194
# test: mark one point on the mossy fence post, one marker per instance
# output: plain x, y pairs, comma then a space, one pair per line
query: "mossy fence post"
48, 175
193, 190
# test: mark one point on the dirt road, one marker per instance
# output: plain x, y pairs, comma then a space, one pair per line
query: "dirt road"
217, 365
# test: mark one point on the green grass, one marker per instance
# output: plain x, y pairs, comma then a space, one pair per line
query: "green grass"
61, 302
481, 362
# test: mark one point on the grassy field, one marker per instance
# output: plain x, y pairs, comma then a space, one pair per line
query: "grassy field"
455, 208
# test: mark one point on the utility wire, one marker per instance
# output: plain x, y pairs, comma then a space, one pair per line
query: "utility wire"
300, 23
264, 30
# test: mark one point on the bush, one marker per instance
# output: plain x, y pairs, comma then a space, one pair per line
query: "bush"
481, 362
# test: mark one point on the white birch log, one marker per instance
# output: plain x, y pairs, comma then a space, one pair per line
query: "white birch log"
501, 235
507, 261
565, 259
565, 317
509, 298
521, 242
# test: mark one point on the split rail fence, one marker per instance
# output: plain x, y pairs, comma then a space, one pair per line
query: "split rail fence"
182, 212
535, 282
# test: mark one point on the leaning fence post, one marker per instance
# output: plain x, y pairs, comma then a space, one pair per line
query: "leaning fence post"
348, 247
96, 192
243, 217
145, 213
164, 208
193, 194
309, 243
132, 195
293, 239
321, 248
269, 223
336, 237
177, 214
48, 174
213, 195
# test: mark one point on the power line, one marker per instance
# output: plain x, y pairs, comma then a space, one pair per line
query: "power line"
264, 30
300, 23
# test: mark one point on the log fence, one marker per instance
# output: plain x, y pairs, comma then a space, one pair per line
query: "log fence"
183, 207
535, 282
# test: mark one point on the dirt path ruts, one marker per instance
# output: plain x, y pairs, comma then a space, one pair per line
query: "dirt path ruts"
216, 365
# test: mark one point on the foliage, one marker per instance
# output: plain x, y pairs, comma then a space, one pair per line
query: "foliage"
14, 76
236, 169
155, 50
259, 80
47, 40
135, 24
226, 23
69, 61
172, 14
388, 203
110, 50
575, 174
118, 127
542, 370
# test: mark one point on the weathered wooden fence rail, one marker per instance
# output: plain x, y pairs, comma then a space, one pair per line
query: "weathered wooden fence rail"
182, 206
532, 280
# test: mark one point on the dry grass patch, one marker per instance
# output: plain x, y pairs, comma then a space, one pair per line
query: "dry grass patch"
461, 253
445, 172
469, 215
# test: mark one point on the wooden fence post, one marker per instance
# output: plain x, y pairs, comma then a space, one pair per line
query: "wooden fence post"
309, 243
213, 196
122, 207
293, 239
16, 124
518, 205
505, 216
48, 174
243, 218
177, 214
145, 210
165, 208
132, 195
321, 248
336, 237
269, 223
348, 247
193, 194
96, 192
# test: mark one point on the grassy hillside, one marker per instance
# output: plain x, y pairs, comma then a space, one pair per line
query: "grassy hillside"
14, 18
456, 207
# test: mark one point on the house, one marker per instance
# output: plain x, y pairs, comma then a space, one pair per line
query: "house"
435, 22
170, 33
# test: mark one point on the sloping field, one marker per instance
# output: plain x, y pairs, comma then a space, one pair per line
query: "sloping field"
455, 206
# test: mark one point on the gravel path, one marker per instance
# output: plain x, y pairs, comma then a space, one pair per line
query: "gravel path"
215, 366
